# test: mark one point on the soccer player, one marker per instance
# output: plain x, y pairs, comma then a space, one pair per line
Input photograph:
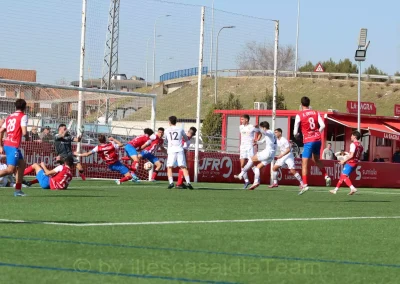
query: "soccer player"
312, 126
264, 157
63, 144
108, 153
350, 163
190, 134
149, 150
176, 154
57, 178
285, 157
135, 144
248, 135
16, 127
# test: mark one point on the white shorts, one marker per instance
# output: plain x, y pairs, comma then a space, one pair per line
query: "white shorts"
266, 156
288, 160
246, 152
176, 159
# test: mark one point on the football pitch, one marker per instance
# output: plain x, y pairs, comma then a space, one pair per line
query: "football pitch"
98, 232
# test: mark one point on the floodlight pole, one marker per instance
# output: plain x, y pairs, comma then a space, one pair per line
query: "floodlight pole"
359, 98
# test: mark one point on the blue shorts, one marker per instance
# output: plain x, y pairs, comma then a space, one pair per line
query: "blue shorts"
149, 157
311, 148
13, 155
130, 150
347, 169
119, 167
44, 180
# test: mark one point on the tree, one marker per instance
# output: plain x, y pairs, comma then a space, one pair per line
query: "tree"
212, 123
397, 73
258, 56
280, 100
373, 70
343, 66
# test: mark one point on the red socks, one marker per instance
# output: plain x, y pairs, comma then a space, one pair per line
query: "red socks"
134, 166
18, 186
304, 179
81, 174
348, 182
155, 173
124, 179
28, 170
180, 177
34, 181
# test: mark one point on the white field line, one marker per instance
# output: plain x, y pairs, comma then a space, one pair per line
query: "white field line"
197, 222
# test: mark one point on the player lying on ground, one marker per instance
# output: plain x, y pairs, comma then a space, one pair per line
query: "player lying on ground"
135, 145
312, 126
285, 157
16, 127
150, 148
9, 180
190, 134
262, 158
63, 145
108, 153
57, 178
350, 163
248, 135
174, 136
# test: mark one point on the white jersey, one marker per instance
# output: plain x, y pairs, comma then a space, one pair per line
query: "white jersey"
269, 139
174, 136
6, 179
283, 144
247, 135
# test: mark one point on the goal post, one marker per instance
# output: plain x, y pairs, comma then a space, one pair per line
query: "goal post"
50, 105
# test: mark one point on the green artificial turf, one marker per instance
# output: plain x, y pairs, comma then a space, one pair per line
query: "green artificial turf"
91, 248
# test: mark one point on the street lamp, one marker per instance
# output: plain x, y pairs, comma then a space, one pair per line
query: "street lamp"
297, 39
147, 60
360, 56
216, 63
154, 48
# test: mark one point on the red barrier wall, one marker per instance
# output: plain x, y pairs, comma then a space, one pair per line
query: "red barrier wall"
220, 167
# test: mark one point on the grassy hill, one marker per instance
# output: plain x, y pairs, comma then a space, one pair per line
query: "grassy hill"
324, 94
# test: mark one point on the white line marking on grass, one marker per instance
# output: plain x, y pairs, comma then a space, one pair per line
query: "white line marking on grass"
197, 222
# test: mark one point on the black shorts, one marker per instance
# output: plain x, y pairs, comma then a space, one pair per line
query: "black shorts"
63, 156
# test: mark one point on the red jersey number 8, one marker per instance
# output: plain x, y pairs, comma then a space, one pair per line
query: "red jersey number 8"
311, 122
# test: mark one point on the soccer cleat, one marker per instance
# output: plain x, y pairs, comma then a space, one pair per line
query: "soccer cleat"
27, 183
254, 186
135, 178
117, 181
181, 186
246, 184
19, 193
328, 181
304, 189
238, 176
171, 185
273, 185
82, 176
189, 186
353, 191
333, 191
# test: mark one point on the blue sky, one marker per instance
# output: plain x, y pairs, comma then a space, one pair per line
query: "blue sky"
45, 35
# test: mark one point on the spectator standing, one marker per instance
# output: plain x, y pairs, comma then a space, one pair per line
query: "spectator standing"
396, 156
341, 155
33, 134
378, 159
328, 154
46, 135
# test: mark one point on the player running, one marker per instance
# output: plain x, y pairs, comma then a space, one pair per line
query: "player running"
55, 179
350, 163
63, 144
136, 144
248, 135
16, 127
285, 157
149, 150
264, 157
174, 136
312, 126
108, 153
190, 134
